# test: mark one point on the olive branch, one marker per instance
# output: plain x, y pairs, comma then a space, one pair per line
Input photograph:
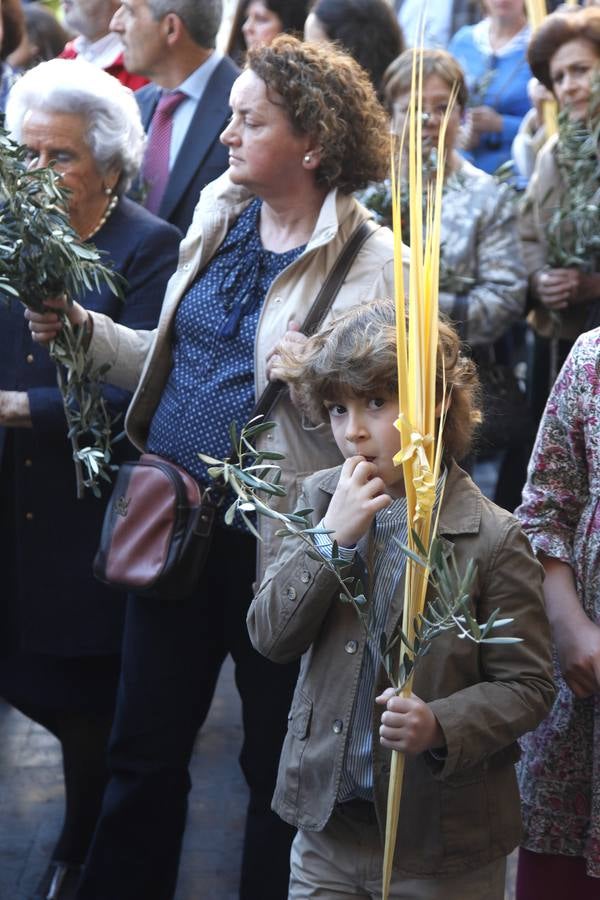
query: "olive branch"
254, 477
41, 256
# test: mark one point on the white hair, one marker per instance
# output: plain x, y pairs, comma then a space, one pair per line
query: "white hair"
113, 127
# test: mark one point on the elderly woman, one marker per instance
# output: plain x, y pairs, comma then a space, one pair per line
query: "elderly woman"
367, 29
559, 241
306, 132
258, 22
493, 55
61, 630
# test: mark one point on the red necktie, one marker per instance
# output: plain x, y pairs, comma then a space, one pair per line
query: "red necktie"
156, 159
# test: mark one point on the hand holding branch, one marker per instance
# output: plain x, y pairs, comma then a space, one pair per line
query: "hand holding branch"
45, 327
408, 724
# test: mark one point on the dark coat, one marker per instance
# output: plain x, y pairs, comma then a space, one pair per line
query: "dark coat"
47, 537
202, 157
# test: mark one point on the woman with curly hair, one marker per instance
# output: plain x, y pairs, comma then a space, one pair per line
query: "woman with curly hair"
306, 132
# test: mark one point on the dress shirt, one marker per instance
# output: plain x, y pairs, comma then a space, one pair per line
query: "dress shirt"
193, 87
101, 53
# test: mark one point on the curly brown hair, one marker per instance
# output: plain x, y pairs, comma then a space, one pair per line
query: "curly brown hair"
356, 356
328, 96
557, 29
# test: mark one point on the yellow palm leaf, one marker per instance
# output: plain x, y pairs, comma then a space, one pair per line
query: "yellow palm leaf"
417, 340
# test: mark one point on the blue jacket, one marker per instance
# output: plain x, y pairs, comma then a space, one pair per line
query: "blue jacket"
496, 81
55, 604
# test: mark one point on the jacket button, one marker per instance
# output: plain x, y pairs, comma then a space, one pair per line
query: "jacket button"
351, 646
291, 593
29, 516
186, 266
29, 358
277, 299
337, 726
305, 576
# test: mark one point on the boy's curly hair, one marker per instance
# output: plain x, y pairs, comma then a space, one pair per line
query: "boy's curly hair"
356, 355
328, 96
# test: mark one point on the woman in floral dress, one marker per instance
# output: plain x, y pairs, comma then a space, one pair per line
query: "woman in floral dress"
560, 768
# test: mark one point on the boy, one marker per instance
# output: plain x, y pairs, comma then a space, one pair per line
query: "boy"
460, 814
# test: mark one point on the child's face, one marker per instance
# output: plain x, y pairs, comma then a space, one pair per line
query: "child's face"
364, 426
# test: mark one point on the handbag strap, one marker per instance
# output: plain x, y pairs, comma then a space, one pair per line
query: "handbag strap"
320, 307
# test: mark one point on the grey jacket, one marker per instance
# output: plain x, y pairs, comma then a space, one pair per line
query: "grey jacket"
457, 814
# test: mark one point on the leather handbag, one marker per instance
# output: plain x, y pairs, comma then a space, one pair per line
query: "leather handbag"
156, 531
158, 523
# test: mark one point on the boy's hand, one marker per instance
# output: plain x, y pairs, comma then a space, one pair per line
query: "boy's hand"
360, 494
408, 725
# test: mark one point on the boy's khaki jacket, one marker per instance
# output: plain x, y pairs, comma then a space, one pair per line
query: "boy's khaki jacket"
456, 814
141, 361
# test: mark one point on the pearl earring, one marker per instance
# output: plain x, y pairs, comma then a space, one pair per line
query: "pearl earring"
307, 157
108, 191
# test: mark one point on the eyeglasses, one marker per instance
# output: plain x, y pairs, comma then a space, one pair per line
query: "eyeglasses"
428, 115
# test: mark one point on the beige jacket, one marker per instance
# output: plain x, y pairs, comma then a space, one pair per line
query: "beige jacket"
141, 360
541, 199
457, 814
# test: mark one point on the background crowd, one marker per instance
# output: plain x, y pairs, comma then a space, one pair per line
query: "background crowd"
223, 166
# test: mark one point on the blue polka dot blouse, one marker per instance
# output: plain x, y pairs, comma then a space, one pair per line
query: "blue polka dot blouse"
212, 380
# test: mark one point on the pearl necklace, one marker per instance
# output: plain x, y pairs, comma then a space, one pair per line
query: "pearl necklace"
106, 214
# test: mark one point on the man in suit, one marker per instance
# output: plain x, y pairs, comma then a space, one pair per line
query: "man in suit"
172, 43
442, 19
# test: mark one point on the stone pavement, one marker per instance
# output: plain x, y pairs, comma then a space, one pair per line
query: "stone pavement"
31, 804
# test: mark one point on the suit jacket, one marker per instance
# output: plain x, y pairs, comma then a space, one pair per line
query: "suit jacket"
48, 538
202, 158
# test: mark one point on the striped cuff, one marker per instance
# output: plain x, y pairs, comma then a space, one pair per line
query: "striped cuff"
324, 545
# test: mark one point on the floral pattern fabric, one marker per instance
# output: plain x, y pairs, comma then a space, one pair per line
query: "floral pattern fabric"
559, 772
